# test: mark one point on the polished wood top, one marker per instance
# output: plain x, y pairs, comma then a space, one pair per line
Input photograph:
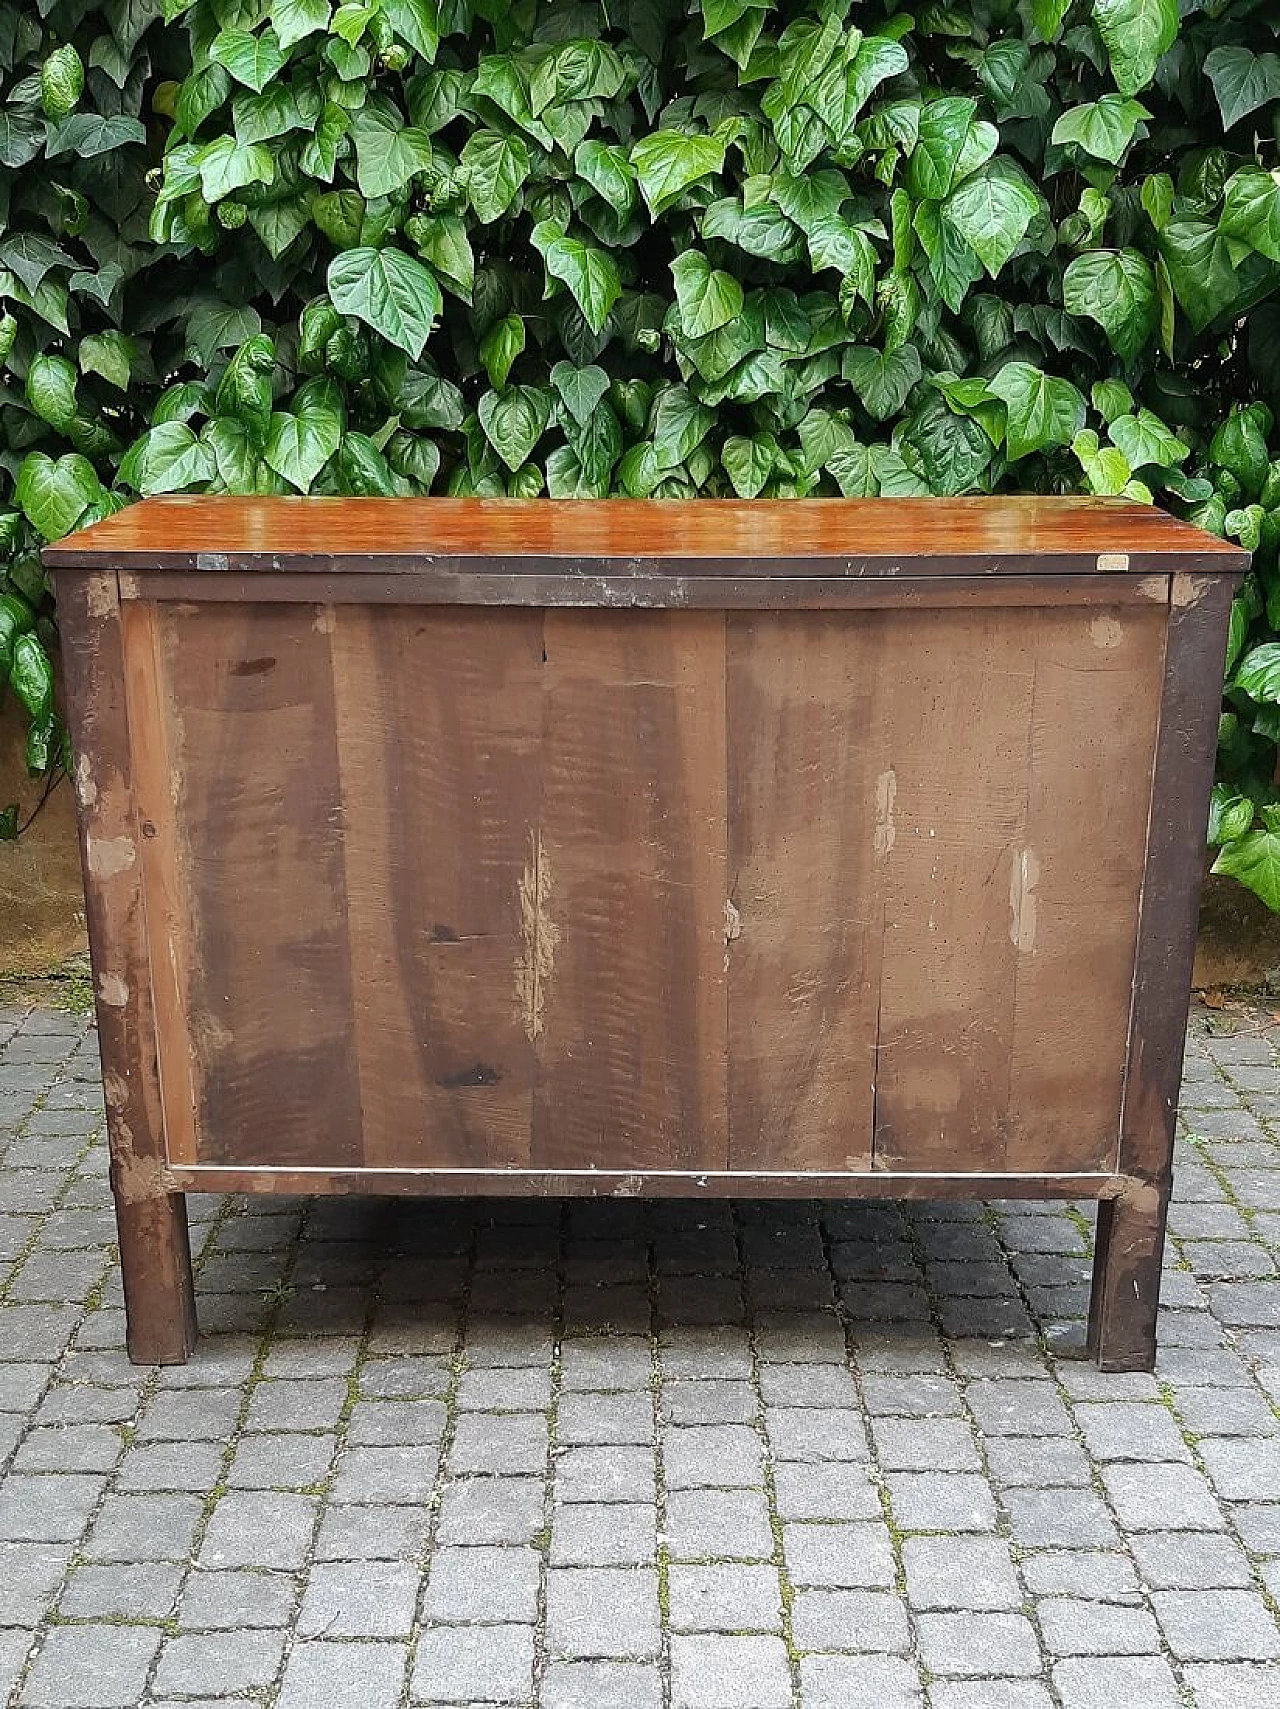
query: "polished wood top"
647, 537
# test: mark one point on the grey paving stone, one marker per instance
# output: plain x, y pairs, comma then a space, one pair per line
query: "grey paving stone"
1093, 1574
1243, 1468
724, 1598
91, 1667
491, 1510
971, 1645
1089, 1683
494, 1584
472, 1665
602, 1612
236, 1599
287, 1461
1234, 1685
807, 1386
619, 1362
1076, 1628
601, 1685
236, 1661
728, 1455
713, 1672
728, 1402
1004, 1408
850, 1620
190, 1415
925, 1444
385, 1474
1025, 1462
605, 1474
251, 1528
396, 1423
941, 1501
30, 1575
839, 1556
145, 1591
1131, 1430
605, 1418
603, 1534
920, 1395
144, 1528
960, 1572
1217, 1625
1227, 1412
717, 1524
1060, 1518
47, 1507
342, 1676
839, 1682
816, 1434
990, 1694
1191, 1560
825, 1492
355, 1599
68, 1448
1161, 1498
354, 1533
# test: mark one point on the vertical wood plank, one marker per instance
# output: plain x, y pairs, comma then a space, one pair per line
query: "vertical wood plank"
439, 734
1126, 1281
269, 1000
811, 823
1075, 889
626, 894
956, 693
155, 1256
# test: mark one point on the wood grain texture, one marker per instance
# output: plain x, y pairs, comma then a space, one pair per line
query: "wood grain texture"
439, 740
1126, 1282
155, 1257
806, 814
777, 538
626, 894
251, 735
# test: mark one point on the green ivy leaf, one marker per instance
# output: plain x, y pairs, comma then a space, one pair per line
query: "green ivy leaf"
1254, 860
882, 383
514, 420
606, 168
1144, 439
750, 462
168, 459
110, 354
1116, 288
251, 59
294, 20
590, 274
1242, 81
299, 445
389, 291
87, 134
389, 153
1251, 210
678, 424
668, 162
226, 165
1211, 279
581, 389
495, 166
944, 125
992, 212
1042, 410
1137, 34
1103, 128
706, 296
499, 348
51, 390
54, 496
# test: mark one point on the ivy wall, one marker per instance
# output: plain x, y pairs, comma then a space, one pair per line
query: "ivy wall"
650, 247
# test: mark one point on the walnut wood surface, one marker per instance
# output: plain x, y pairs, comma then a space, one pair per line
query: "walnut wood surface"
634, 537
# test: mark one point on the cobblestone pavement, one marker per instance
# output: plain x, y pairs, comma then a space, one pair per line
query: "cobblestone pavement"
617, 1455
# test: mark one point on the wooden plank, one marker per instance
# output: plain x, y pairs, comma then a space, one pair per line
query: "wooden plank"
1075, 892
155, 1257
626, 893
1126, 1282
269, 998
808, 823
634, 1183
439, 734
935, 536
505, 583
955, 693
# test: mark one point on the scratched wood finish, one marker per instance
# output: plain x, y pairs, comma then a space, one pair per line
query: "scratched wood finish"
620, 538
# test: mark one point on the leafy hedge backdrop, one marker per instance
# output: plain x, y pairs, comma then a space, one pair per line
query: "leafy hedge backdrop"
650, 247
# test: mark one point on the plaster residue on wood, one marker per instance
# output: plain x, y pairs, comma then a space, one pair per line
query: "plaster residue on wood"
113, 990
86, 788
886, 800
108, 856
1106, 631
539, 936
1022, 901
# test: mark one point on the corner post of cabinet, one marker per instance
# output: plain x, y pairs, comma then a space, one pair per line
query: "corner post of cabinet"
1131, 1222
155, 1254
